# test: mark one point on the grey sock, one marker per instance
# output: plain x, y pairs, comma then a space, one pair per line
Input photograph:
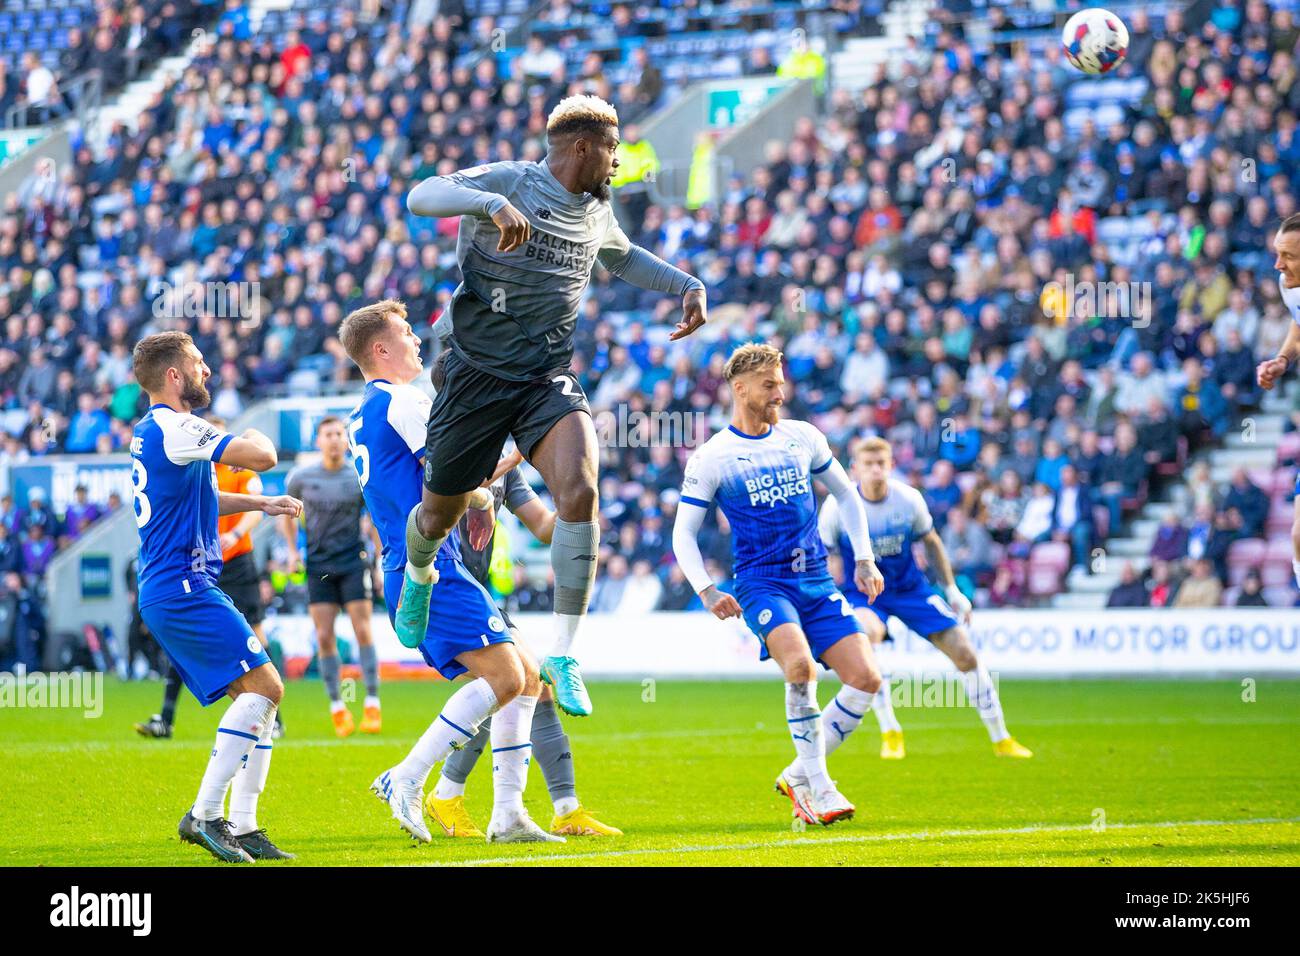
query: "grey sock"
458, 766
573, 559
551, 751
420, 551
369, 668
330, 665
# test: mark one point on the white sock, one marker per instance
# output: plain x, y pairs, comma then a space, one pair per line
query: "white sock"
566, 805
250, 782
454, 727
566, 632
804, 720
843, 715
981, 692
882, 705
511, 753
242, 725
336, 706
420, 575
445, 789
371, 701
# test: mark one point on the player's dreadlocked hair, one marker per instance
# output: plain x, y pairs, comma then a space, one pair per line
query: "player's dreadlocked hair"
751, 358
581, 114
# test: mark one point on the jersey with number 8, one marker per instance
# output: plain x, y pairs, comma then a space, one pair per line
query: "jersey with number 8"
176, 502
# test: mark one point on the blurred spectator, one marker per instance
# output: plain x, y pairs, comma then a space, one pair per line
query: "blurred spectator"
1131, 590
1072, 517
1252, 591
1170, 542
1201, 588
1249, 501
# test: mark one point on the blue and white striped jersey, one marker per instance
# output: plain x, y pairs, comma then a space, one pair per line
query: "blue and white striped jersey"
176, 502
763, 484
386, 433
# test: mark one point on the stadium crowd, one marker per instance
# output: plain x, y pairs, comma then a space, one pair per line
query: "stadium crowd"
918, 253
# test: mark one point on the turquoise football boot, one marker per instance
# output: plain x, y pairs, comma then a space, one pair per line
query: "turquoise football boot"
566, 682
412, 617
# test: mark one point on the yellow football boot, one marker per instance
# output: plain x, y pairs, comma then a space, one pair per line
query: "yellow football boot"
451, 815
580, 822
891, 745
1010, 747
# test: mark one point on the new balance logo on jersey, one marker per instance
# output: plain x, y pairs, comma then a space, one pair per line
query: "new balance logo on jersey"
584, 557
543, 214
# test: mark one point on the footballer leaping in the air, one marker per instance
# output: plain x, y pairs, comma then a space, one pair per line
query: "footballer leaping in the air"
530, 234
386, 433
760, 471
1287, 246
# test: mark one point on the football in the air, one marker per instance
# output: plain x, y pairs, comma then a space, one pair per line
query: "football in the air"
1095, 41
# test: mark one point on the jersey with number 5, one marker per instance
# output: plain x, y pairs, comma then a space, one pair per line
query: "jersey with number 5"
176, 502
386, 433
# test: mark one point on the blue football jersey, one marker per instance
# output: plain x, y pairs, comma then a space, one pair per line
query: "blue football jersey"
176, 502
763, 484
896, 523
386, 433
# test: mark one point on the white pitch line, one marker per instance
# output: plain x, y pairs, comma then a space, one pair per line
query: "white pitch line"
863, 838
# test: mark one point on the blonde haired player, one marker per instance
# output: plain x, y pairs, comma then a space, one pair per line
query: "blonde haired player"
898, 517
760, 471
1287, 246
530, 234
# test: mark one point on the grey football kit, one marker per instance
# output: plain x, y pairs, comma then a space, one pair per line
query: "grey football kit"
514, 313
332, 506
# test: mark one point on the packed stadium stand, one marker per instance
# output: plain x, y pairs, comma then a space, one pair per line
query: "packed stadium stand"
920, 250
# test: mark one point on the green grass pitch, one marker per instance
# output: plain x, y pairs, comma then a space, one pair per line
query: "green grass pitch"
1126, 772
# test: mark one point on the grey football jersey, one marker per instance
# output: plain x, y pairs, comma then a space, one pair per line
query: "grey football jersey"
514, 313
332, 504
512, 491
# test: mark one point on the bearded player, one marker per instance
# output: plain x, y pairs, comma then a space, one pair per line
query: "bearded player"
898, 517
760, 471
239, 579
530, 234
1287, 245
210, 645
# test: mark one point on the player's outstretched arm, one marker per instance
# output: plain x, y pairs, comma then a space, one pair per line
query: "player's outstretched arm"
645, 270
1271, 370
251, 450
230, 503
686, 548
443, 197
